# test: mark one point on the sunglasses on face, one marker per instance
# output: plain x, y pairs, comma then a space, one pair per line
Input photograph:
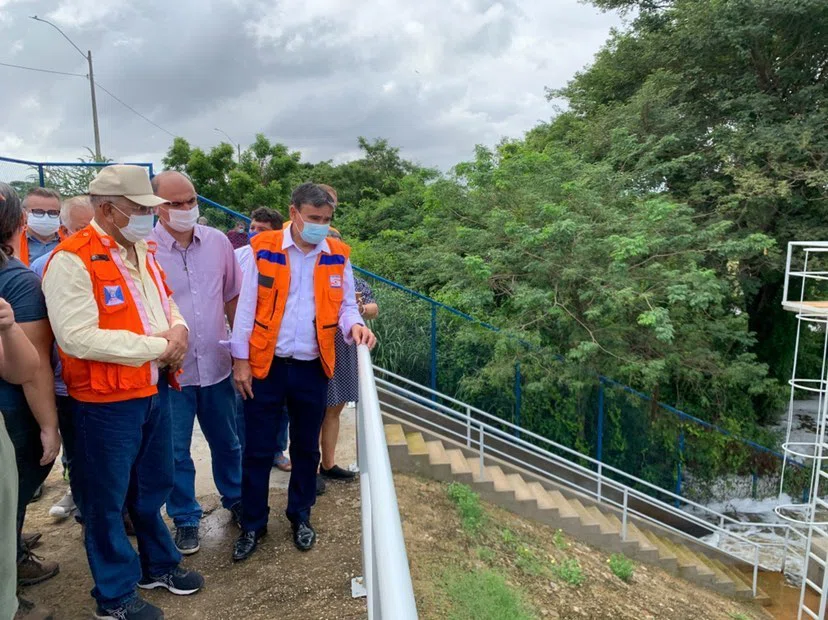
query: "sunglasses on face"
42, 213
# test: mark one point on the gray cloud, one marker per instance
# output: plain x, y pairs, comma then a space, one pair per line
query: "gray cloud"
434, 77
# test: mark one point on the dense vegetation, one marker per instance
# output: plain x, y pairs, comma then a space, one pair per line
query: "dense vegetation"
638, 234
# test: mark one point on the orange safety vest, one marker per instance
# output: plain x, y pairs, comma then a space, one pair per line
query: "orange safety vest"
24, 247
273, 265
24, 244
119, 308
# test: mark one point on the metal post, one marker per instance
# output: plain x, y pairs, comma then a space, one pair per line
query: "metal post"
755, 569
151, 171
754, 485
624, 515
600, 479
678, 472
785, 550
94, 108
468, 426
434, 350
600, 448
482, 467
517, 398
41, 176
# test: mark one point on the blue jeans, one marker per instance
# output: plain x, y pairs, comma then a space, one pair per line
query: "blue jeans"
124, 457
215, 406
282, 422
303, 386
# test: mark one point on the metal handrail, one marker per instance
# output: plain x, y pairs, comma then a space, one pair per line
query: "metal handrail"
523, 432
475, 437
384, 559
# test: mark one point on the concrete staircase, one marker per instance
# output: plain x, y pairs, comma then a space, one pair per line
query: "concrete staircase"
560, 507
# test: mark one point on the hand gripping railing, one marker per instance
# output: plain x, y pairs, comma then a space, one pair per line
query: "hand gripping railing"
478, 435
384, 560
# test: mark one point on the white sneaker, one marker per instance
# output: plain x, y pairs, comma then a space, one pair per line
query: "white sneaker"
65, 508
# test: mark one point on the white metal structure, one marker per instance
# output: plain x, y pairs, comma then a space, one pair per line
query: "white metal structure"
386, 576
806, 269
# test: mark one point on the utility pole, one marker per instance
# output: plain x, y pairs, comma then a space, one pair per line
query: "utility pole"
238, 144
94, 109
88, 58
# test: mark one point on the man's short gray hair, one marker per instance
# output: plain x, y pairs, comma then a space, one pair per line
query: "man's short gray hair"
72, 203
43, 192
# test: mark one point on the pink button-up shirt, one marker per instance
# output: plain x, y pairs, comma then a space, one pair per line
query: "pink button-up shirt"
203, 278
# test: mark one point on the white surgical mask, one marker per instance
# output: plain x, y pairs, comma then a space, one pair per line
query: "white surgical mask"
183, 221
139, 227
44, 225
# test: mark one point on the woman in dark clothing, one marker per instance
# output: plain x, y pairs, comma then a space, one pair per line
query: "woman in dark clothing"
29, 411
343, 388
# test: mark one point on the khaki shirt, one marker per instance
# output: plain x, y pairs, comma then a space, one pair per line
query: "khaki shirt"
73, 312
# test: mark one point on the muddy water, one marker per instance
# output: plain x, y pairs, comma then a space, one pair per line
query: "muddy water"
784, 596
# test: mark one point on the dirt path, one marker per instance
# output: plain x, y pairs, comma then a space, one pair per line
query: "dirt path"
276, 582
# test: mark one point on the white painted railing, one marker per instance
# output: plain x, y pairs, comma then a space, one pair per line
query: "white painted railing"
386, 576
478, 430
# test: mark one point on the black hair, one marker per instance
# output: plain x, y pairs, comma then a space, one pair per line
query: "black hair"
311, 194
11, 215
271, 216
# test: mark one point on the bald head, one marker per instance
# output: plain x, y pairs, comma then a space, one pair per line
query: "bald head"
171, 180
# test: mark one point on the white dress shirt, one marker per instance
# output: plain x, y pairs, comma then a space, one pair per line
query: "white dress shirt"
297, 333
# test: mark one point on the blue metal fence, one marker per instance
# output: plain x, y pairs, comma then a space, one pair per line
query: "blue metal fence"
434, 353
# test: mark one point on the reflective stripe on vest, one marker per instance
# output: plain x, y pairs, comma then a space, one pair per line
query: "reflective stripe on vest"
273, 288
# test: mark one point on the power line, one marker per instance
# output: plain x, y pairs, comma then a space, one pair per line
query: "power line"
98, 84
6, 64
134, 111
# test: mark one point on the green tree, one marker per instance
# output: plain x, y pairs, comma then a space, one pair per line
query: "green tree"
720, 104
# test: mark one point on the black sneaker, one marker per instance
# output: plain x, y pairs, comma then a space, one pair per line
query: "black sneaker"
186, 539
321, 487
180, 581
337, 473
136, 609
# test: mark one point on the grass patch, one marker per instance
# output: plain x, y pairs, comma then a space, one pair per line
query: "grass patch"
468, 505
559, 541
529, 562
486, 554
735, 615
621, 567
569, 571
483, 595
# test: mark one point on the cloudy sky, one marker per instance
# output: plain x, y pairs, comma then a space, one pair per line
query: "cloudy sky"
435, 77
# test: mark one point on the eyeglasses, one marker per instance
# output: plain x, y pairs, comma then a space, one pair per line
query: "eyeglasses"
189, 204
42, 213
140, 210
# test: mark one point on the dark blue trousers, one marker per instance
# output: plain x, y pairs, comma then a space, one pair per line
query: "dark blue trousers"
124, 457
303, 386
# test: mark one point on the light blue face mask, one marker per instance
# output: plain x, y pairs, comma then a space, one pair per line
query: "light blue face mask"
314, 233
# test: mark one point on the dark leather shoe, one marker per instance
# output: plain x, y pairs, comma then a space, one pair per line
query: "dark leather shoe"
304, 536
245, 545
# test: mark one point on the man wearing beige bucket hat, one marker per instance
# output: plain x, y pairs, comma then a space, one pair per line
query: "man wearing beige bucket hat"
121, 341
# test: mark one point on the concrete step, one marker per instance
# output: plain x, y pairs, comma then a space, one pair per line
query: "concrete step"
496, 475
603, 522
437, 454
394, 435
744, 584
690, 566
636, 543
416, 444
458, 462
589, 525
521, 489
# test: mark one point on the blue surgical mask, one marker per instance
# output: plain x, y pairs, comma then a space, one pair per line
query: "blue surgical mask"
314, 233
251, 234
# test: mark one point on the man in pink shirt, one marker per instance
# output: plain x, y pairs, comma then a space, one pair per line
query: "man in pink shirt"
205, 278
